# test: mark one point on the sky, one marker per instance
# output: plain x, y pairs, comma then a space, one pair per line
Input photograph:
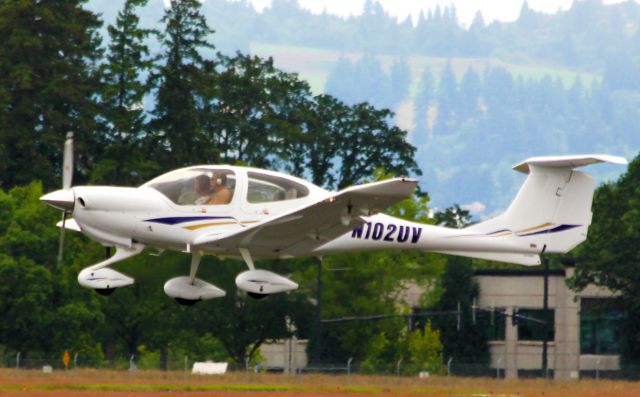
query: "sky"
501, 10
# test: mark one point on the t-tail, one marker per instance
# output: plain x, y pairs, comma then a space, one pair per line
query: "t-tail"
550, 214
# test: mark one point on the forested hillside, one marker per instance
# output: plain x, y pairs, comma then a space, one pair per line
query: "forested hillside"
476, 99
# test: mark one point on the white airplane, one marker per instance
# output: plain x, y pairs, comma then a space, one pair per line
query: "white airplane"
249, 213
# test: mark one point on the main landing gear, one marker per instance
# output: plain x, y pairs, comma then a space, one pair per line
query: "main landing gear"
259, 283
189, 290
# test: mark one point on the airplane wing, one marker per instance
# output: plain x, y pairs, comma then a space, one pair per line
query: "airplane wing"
300, 230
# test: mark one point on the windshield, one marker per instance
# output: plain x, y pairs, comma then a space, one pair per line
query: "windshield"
196, 186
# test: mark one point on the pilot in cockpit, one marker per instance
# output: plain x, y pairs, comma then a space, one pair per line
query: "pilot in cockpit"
201, 185
220, 193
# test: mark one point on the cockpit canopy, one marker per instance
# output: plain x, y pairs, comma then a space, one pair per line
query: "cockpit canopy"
219, 186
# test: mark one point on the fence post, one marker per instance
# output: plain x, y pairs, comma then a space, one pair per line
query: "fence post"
18, 360
598, 369
398, 367
75, 361
498, 367
349, 365
186, 363
449, 366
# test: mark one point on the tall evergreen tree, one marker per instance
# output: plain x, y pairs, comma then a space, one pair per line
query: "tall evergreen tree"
372, 82
176, 125
400, 81
423, 99
469, 94
122, 94
447, 100
463, 340
340, 82
48, 85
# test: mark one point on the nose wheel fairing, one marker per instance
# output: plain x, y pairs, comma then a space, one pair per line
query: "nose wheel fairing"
100, 277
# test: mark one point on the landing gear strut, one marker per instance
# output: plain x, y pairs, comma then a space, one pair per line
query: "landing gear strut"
189, 290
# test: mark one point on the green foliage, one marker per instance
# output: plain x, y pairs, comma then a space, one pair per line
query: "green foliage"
48, 86
419, 350
176, 125
453, 216
123, 92
425, 352
463, 340
34, 294
373, 283
610, 256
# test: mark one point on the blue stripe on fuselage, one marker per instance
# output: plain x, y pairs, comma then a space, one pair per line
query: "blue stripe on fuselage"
174, 220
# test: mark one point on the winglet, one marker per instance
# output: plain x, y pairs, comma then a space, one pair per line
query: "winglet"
572, 161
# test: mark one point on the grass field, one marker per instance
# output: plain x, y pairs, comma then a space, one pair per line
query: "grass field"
156, 383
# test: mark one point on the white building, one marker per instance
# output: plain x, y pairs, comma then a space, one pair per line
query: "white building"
585, 328
584, 337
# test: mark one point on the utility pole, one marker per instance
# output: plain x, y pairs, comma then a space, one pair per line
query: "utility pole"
317, 351
545, 313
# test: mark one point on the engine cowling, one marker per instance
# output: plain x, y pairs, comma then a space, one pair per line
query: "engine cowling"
181, 289
264, 282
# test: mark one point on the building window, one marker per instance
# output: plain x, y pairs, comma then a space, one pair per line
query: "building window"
531, 326
600, 324
494, 322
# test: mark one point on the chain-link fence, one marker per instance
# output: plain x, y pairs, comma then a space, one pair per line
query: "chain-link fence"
351, 366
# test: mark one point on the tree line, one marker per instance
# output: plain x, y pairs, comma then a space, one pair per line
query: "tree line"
566, 38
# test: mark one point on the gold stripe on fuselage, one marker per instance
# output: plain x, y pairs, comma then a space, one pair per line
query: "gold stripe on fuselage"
203, 225
547, 224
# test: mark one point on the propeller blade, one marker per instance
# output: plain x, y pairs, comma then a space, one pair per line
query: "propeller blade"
64, 199
67, 165
61, 243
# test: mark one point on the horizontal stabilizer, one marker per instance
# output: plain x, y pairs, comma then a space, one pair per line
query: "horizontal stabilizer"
520, 259
568, 161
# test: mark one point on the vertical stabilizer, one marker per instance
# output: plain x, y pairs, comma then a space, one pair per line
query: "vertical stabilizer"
552, 210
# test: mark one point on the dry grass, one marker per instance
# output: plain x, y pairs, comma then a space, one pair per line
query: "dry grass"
88, 382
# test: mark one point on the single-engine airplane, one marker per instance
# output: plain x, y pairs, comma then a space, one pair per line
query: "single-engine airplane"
250, 213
